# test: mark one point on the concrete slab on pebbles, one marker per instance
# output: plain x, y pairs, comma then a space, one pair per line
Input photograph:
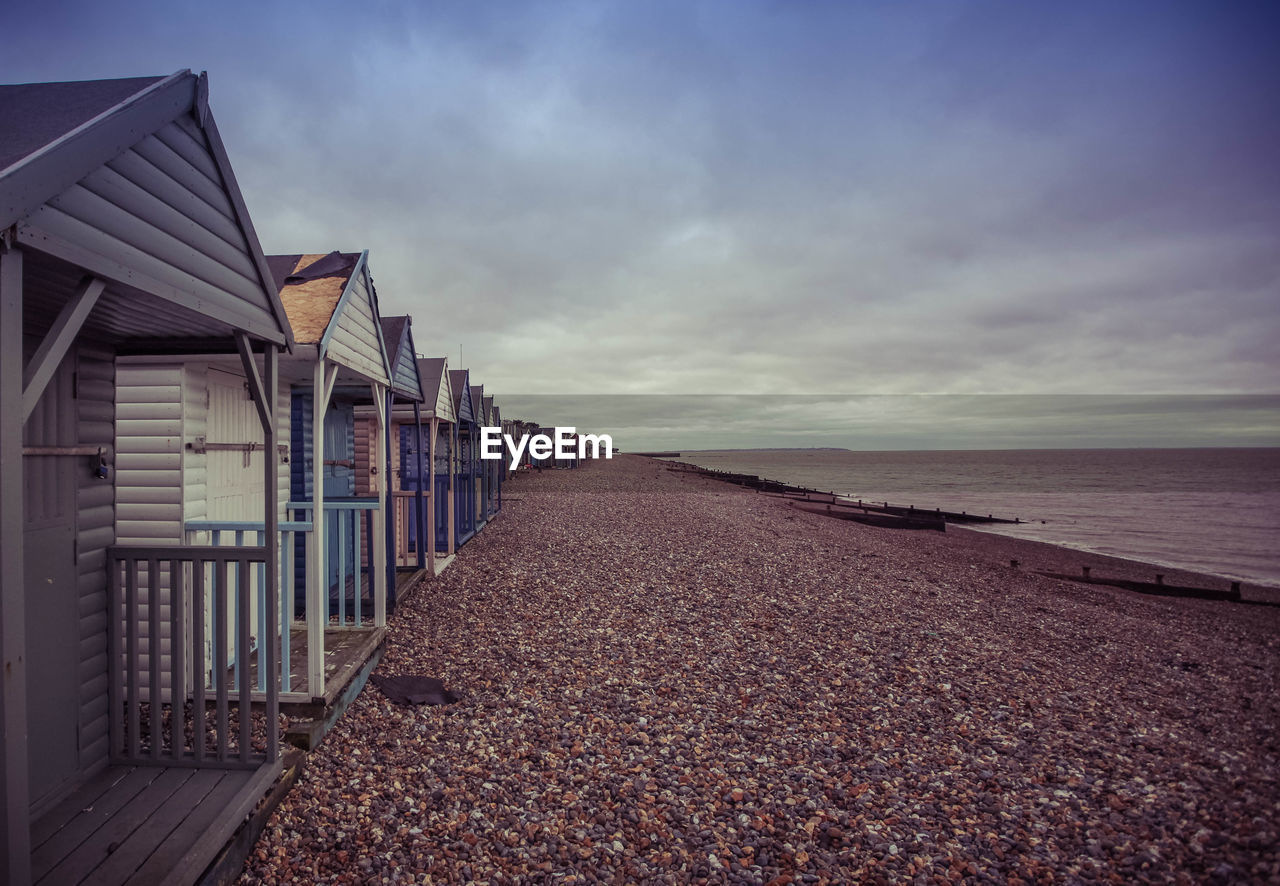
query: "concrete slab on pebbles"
668, 680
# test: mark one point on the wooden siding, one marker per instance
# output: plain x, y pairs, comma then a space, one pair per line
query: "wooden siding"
444, 400
354, 337
150, 399
195, 424
149, 453
158, 217
366, 457
95, 532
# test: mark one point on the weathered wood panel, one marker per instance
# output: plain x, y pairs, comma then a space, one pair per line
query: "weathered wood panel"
366, 458
355, 341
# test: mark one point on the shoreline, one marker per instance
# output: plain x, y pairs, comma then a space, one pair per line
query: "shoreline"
1131, 568
671, 680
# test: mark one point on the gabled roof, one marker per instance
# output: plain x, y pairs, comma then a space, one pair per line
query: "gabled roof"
59, 194
477, 403
458, 381
488, 408
88, 165
432, 372
397, 335
331, 303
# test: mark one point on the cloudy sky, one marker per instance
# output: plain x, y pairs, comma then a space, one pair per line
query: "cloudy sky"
764, 198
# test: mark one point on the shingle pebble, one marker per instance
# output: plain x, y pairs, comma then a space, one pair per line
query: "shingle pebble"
669, 680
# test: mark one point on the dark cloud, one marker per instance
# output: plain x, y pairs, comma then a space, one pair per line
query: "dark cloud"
758, 197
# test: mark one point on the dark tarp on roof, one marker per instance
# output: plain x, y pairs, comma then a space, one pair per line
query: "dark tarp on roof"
335, 264
34, 114
280, 266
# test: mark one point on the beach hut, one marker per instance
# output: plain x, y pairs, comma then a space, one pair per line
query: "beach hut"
124, 235
338, 579
404, 398
466, 431
481, 465
493, 470
426, 465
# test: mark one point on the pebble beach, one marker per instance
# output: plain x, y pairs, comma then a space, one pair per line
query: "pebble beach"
665, 679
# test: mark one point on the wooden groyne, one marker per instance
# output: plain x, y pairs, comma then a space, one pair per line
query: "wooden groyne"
904, 516
1157, 587
927, 520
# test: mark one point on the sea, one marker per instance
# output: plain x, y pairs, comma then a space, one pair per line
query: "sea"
1215, 511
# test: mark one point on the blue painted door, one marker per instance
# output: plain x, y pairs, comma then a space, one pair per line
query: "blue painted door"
464, 491
410, 479
442, 513
339, 481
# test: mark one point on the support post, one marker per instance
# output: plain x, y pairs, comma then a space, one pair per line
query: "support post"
454, 465
318, 553
379, 571
389, 537
15, 828
420, 500
429, 521
271, 488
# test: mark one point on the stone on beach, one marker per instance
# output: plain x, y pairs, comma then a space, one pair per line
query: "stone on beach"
667, 680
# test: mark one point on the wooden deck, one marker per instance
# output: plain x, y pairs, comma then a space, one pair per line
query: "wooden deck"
144, 825
345, 650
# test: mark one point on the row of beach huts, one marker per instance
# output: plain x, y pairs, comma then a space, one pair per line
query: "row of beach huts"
216, 468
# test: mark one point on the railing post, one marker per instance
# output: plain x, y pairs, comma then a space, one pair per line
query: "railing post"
287, 581
177, 656
245, 681
340, 517
317, 571
198, 630
155, 649
133, 661
220, 606
115, 670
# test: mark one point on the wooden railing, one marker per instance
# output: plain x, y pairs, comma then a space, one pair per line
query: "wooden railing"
350, 521
220, 533
167, 590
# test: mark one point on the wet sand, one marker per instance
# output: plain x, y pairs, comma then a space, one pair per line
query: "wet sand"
669, 679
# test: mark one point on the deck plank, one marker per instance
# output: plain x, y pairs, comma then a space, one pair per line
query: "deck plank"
164, 860
84, 826
80, 864
205, 849
84, 796
134, 851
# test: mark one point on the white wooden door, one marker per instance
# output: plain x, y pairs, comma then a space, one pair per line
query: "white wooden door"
235, 476
235, 487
